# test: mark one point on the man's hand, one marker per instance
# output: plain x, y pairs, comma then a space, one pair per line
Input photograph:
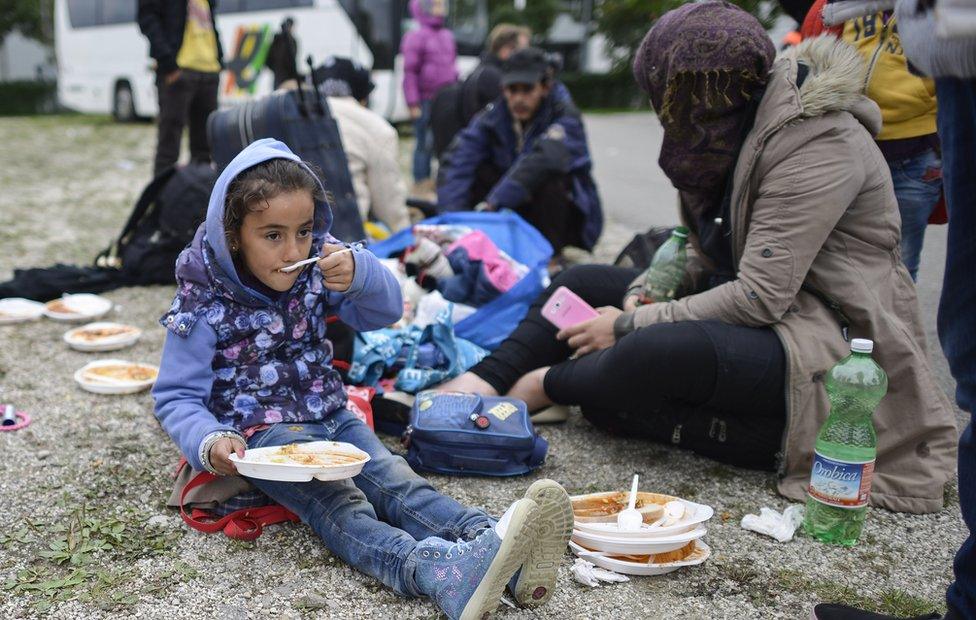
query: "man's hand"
171, 77
414, 112
593, 335
338, 269
631, 302
221, 450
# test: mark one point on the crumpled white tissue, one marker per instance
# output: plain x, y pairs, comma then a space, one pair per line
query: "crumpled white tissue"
771, 523
590, 574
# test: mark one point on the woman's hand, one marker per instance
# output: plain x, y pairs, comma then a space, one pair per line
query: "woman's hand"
593, 335
221, 450
631, 302
338, 269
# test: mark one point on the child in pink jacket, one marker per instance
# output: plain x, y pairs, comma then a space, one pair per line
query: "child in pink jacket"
428, 64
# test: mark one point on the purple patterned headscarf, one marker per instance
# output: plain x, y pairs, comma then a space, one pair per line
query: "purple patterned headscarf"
702, 64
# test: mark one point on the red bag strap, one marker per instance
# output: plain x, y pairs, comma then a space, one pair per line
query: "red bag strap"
244, 524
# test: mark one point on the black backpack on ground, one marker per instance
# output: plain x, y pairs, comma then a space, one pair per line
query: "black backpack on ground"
639, 252
301, 119
163, 222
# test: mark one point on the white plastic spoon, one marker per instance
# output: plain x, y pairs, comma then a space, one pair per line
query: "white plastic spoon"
631, 519
309, 261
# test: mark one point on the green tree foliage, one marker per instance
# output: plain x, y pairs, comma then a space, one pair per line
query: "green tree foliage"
537, 15
27, 16
625, 22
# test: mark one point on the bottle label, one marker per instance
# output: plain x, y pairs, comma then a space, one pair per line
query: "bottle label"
843, 484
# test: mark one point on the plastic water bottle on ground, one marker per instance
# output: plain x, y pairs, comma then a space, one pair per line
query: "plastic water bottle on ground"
843, 463
667, 270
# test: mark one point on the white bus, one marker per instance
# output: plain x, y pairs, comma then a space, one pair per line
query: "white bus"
104, 65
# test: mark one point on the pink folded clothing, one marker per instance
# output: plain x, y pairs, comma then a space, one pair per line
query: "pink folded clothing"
500, 269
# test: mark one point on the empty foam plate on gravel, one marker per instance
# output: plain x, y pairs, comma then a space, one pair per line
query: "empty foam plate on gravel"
18, 309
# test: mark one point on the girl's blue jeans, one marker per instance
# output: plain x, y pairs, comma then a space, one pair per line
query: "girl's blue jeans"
918, 186
423, 150
372, 521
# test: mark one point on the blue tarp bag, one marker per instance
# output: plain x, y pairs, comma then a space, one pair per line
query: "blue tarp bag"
470, 435
495, 320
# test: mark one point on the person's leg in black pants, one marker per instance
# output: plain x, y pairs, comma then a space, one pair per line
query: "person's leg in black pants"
204, 102
552, 211
711, 387
533, 344
174, 101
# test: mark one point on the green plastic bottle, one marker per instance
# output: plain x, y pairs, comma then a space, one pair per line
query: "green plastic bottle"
843, 464
667, 270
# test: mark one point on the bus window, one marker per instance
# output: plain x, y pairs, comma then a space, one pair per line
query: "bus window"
118, 11
268, 5
468, 20
83, 13
376, 22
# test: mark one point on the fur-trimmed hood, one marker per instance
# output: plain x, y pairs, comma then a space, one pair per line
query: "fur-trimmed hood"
834, 82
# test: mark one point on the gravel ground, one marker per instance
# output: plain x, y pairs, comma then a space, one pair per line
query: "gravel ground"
86, 533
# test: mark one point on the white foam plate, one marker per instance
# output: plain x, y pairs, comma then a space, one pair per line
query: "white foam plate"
108, 343
698, 556
83, 306
255, 464
642, 546
694, 514
112, 386
18, 310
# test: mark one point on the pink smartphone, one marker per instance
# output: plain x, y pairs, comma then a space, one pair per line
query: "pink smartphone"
565, 309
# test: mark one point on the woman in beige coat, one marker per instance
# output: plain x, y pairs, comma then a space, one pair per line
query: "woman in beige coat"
794, 250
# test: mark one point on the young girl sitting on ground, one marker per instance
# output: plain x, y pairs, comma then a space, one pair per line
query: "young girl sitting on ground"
246, 364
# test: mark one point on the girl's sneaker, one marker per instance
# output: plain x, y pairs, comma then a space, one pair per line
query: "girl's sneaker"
466, 579
535, 582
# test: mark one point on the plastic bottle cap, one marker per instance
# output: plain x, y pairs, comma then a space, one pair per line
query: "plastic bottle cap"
680, 231
862, 345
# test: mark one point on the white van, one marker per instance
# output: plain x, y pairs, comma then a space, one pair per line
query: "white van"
104, 64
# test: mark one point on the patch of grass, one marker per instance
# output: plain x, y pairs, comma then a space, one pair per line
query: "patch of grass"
890, 601
65, 557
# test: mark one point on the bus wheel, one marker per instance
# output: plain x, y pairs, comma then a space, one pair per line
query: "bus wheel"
123, 104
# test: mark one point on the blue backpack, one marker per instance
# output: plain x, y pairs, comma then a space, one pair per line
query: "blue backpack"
470, 435
495, 320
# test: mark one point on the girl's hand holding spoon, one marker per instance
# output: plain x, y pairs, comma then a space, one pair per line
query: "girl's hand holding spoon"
338, 267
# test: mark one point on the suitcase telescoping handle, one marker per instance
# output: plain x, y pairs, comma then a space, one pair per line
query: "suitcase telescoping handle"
311, 82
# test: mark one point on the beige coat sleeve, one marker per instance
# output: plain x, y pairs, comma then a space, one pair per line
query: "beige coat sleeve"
386, 189
800, 197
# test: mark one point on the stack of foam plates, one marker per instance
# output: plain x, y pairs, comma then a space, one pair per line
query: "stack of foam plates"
664, 543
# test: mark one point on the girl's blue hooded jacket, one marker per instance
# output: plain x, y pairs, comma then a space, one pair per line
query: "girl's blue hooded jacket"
235, 358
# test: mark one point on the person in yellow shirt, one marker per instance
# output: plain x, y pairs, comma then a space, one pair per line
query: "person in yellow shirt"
908, 138
184, 42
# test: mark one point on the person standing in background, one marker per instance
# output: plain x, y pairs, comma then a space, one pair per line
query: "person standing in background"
429, 54
370, 142
908, 138
282, 54
484, 85
184, 42
940, 41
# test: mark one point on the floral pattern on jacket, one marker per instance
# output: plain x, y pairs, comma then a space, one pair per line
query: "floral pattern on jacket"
271, 364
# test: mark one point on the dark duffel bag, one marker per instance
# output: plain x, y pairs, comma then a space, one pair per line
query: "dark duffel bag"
302, 120
639, 252
161, 224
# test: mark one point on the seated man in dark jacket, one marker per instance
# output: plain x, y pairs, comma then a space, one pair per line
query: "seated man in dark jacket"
526, 152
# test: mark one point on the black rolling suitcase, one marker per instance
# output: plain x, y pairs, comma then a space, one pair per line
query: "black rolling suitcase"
302, 120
